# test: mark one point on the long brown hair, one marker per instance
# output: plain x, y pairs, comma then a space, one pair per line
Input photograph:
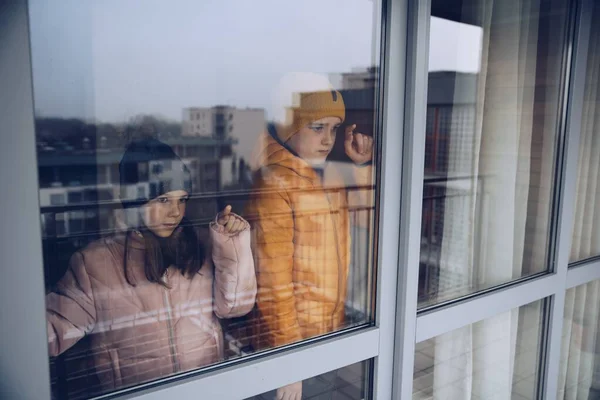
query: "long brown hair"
183, 248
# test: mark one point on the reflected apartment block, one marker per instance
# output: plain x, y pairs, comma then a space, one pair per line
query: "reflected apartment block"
451, 102
357, 78
449, 184
449, 149
245, 125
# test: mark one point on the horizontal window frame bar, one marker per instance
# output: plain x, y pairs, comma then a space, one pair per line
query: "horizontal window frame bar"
449, 318
585, 261
583, 274
478, 293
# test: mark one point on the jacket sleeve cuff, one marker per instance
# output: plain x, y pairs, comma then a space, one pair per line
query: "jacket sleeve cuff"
367, 164
220, 229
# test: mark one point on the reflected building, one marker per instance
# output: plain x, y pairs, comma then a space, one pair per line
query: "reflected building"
449, 140
357, 78
451, 98
449, 135
76, 176
244, 125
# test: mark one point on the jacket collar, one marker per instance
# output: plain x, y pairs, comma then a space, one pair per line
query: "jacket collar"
276, 152
135, 239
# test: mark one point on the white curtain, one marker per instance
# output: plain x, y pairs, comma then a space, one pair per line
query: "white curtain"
485, 230
580, 357
586, 229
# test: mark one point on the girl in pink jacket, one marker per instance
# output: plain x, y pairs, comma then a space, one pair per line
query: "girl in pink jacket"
150, 296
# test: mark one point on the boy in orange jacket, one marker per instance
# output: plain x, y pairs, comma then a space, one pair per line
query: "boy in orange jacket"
299, 214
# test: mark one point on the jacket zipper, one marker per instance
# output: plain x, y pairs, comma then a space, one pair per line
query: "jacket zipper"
337, 250
172, 348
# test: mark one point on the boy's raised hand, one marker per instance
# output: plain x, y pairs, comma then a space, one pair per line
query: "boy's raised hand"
290, 392
359, 147
231, 222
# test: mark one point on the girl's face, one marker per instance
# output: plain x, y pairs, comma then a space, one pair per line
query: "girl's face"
163, 214
314, 141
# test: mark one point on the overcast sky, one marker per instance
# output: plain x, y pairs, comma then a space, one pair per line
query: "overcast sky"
111, 59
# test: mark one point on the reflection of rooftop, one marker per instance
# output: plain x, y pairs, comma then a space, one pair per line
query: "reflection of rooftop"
113, 156
199, 140
64, 158
451, 88
359, 99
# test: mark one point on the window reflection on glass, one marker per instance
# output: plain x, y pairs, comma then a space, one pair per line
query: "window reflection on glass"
153, 121
586, 226
580, 357
348, 383
495, 359
492, 106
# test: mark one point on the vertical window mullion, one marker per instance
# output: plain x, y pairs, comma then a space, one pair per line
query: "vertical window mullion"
414, 20
568, 181
393, 56
24, 351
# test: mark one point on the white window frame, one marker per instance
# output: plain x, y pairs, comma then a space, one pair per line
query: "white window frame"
398, 327
24, 360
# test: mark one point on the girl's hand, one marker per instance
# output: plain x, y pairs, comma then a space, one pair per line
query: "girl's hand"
232, 223
358, 146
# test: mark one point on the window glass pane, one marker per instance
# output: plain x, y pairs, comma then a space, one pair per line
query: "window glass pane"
494, 359
151, 119
348, 383
586, 226
580, 357
492, 106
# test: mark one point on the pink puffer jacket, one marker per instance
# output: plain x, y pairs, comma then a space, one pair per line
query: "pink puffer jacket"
144, 332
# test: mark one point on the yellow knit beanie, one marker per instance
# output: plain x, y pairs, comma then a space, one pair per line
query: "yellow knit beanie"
311, 106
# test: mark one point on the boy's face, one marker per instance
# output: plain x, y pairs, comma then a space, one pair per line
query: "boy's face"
314, 141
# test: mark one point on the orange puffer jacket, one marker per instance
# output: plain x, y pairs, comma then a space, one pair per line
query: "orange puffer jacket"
301, 239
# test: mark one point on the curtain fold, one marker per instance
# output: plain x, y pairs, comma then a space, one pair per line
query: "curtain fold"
586, 228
